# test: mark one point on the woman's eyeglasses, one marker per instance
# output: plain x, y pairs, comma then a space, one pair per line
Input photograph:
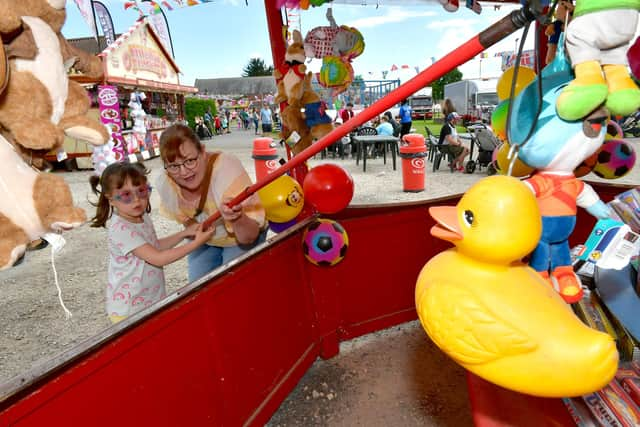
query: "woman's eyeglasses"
127, 196
174, 168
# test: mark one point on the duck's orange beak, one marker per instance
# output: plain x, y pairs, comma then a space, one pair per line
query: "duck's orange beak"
447, 227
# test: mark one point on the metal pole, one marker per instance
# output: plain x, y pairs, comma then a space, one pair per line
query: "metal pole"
496, 32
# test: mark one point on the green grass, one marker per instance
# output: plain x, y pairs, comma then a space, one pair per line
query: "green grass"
434, 127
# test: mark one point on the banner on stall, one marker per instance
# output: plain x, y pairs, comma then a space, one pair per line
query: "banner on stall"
109, 107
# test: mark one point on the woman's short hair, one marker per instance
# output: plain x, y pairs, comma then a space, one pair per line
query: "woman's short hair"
173, 137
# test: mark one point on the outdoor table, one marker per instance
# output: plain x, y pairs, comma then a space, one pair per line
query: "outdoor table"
363, 140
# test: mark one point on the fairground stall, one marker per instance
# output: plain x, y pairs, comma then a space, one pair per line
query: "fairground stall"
234, 343
138, 98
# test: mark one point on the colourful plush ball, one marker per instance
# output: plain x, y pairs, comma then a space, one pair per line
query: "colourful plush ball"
615, 159
499, 119
586, 166
614, 131
325, 242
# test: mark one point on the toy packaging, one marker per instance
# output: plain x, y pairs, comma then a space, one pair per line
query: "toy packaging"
600, 410
611, 245
629, 379
580, 413
623, 407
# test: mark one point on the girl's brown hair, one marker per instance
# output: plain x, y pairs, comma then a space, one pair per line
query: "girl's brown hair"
113, 178
173, 137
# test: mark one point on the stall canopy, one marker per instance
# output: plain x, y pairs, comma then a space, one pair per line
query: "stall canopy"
138, 58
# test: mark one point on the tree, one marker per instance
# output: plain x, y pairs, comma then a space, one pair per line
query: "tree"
438, 86
256, 67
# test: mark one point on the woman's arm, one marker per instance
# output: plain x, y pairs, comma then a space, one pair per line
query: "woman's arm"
245, 228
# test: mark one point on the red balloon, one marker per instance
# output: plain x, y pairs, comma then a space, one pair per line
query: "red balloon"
328, 188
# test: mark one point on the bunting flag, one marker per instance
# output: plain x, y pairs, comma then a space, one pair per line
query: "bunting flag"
154, 8
86, 10
394, 67
484, 55
134, 6
167, 5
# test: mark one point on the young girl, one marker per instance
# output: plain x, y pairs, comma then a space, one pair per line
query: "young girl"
136, 255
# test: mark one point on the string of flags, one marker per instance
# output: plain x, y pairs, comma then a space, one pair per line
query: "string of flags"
157, 6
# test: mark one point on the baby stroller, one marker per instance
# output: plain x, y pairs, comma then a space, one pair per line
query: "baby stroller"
483, 138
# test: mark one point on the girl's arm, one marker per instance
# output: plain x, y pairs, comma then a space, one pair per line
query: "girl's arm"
170, 241
160, 258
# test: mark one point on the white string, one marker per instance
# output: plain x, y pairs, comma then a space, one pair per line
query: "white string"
57, 242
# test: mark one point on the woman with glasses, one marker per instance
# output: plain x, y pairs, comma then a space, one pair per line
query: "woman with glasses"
196, 185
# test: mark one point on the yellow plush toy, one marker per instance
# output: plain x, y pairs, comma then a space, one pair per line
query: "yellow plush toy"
598, 37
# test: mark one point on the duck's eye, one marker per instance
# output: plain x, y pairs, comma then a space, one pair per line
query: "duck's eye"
468, 217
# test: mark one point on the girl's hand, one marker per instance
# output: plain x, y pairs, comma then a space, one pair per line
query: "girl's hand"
230, 214
201, 236
190, 230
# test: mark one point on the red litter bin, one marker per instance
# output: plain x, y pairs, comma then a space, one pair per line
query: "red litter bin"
265, 156
413, 152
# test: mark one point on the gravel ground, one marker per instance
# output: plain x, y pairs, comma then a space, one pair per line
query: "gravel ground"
34, 326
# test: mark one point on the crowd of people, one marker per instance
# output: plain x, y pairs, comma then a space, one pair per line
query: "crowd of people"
260, 120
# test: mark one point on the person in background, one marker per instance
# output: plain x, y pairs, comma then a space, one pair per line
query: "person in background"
384, 128
447, 107
405, 118
450, 142
208, 120
136, 255
196, 184
255, 118
266, 117
393, 122
347, 112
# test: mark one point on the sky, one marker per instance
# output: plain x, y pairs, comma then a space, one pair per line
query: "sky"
218, 39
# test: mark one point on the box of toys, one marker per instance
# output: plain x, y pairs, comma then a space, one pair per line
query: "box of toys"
611, 244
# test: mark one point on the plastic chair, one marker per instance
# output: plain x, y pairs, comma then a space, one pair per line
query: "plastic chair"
432, 142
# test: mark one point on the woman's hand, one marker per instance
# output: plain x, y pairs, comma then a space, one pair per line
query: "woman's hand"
230, 214
190, 229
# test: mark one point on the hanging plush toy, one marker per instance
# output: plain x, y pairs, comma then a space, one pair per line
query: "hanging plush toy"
40, 104
38, 203
597, 40
289, 76
555, 149
337, 46
562, 15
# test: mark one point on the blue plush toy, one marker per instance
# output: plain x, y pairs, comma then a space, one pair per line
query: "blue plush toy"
555, 149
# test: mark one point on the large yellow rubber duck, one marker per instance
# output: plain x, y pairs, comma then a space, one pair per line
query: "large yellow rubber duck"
496, 316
